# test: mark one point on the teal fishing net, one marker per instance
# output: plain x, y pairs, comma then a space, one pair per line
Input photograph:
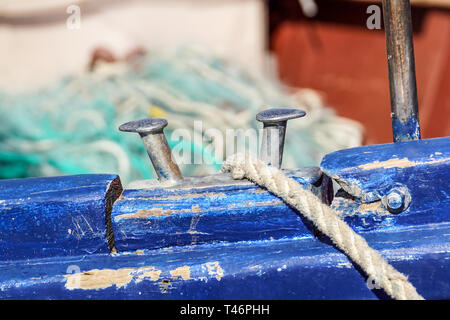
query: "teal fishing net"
71, 126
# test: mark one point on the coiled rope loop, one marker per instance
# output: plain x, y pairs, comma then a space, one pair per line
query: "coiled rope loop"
394, 283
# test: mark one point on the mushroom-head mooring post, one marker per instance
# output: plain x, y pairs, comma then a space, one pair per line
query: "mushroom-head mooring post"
152, 134
274, 131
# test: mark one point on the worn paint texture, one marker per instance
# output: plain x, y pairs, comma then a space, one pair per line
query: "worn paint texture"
154, 218
369, 173
406, 129
54, 216
291, 268
237, 241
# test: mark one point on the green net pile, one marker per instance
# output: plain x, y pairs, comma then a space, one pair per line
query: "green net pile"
71, 126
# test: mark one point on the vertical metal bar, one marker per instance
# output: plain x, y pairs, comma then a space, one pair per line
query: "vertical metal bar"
160, 155
273, 143
402, 74
275, 122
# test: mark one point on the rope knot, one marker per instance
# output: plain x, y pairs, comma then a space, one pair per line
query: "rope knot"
236, 165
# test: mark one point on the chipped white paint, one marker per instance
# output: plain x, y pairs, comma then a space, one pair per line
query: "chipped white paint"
214, 269
101, 279
282, 268
347, 265
398, 163
183, 272
104, 278
145, 273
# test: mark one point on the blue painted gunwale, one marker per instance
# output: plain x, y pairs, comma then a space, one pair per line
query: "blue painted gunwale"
294, 268
54, 216
374, 168
155, 218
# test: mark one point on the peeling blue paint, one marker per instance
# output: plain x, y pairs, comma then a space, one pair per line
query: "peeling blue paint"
54, 216
406, 130
231, 241
422, 166
158, 217
305, 268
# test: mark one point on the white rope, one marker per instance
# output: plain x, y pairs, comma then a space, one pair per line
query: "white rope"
327, 221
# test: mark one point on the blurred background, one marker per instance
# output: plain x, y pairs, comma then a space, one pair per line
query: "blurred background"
72, 71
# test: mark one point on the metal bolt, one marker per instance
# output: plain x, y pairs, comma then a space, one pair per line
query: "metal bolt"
397, 199
152, 135
275, 121
394, 201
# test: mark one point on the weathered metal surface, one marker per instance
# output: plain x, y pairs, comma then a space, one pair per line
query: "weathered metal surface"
152, 135
274, 132
402, 74
295, 268
198, 212
56, 216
